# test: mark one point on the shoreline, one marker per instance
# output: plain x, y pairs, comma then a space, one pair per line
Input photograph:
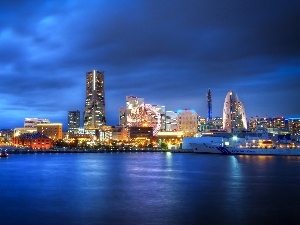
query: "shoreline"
49, 151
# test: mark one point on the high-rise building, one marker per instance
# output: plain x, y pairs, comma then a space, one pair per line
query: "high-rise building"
122, 116
209, 106
73, 121
94, 113
162, 112
234, 116
171, 121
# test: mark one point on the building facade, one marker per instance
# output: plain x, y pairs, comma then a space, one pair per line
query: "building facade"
94, 113
33, 140
51, 130
187, 122
293, 125
171, 121
73, 121
32, 122
234, 116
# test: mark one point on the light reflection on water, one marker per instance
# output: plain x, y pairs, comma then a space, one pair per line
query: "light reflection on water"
153, 188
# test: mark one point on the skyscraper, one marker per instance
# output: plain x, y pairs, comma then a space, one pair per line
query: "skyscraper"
94, 113
234, 116
73, 121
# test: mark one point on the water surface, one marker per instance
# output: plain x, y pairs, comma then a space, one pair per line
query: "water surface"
149, 188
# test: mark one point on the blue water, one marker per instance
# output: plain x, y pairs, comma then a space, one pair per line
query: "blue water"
149, 188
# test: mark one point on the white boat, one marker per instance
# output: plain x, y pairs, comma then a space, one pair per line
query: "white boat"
217, 145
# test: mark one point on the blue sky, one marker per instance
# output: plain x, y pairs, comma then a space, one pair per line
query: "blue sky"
169, 52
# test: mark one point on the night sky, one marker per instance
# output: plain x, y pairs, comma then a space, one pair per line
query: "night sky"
169, 52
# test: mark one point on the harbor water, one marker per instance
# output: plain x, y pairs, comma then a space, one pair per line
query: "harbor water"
149, 189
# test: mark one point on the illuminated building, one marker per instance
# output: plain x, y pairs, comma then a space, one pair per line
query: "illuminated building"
162, 112
122, 116
171, 121
119, 133
294, 125
142, 136
187, 122
73, 121
202, 124
6, 136
51, 130
94, 113
134, 107
234, 116
141, 132
33, 140
260, 124
139, 114
32, 122
173, 139
23, 130
278, 122
217, 123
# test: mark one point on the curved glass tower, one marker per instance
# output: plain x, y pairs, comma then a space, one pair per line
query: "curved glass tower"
234, 116
94, 113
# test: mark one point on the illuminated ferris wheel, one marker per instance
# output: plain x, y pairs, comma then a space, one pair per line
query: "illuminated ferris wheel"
145, 115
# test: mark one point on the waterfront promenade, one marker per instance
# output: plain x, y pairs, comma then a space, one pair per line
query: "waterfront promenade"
35, 151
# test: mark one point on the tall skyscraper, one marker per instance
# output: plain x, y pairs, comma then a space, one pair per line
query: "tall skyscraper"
209, 105
73, 121
234, 116
94, 113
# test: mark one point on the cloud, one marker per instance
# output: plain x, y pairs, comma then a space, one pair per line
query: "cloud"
169, 52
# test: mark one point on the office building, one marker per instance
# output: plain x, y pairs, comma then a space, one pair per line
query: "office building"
171, 121
187, 122
73, 121
94, 113
51, 130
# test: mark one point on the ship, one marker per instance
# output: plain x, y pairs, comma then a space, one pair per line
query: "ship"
3, 154
235, 146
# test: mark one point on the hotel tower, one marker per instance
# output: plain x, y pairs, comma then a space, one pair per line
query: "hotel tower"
94, 113
234, 116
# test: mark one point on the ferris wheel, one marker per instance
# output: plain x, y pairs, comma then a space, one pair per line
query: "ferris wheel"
145, 115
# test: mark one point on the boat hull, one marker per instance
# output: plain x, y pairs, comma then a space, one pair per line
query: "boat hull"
205, 148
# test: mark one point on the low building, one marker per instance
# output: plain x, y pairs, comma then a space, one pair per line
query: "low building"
142, 136
173, 140
23, 130
141, 132
119, 133
33, 140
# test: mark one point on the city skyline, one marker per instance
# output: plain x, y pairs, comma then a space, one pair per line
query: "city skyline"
169, 53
